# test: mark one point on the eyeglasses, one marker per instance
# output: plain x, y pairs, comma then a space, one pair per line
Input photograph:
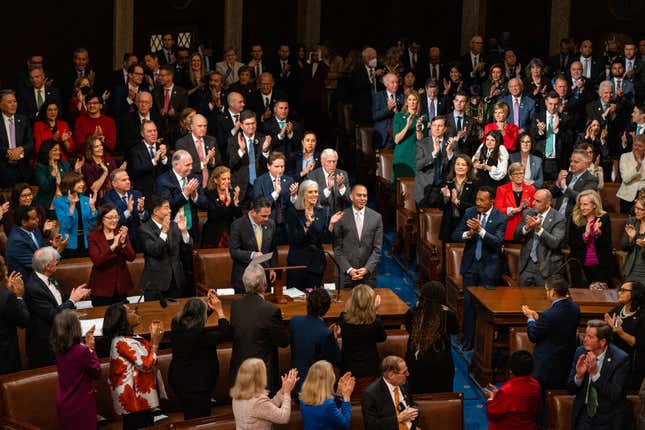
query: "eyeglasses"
639, 209
624, 290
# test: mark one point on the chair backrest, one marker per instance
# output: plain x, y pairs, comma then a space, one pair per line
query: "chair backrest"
610, 202
618, 222
454, 254
384, 164
512, 255
518, 339
405, 193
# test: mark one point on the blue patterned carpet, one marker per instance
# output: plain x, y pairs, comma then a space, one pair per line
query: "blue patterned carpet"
392, 276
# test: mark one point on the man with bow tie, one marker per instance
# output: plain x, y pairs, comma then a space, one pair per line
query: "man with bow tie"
384, 105
482, 230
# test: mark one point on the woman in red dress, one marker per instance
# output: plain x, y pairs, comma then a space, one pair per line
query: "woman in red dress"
508, 129
48, 126
513, 197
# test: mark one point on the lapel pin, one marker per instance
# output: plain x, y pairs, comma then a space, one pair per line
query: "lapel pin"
609, 360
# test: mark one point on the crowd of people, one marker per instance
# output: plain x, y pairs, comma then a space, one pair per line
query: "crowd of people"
508, 153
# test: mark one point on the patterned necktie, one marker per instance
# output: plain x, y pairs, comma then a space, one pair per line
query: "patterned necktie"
125, 199
251, 151
431, 109
186, 208
536, 241
397, 401
199, 144
151, 151
12, 133
480, 241
52, 288
550, 139
258, 236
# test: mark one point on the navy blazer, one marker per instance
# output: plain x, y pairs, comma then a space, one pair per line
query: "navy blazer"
134, 219
612, 401
536, 168
527, 110
263, 186
13, 314
492, 242
554, 334
27, 105
17, 171
383, 116
20, 250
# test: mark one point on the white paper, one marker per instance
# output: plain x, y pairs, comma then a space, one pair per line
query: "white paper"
86, 325
135, 299
293, 292
84, 304
225, 291
329, 286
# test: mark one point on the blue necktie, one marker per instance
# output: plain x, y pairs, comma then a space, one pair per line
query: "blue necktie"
536, 241
152, 152
480, 241
251, 152
33, 237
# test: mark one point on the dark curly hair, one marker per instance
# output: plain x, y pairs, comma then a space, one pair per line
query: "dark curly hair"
318, 302
429, 320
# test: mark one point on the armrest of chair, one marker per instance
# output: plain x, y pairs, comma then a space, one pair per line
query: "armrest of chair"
508, 280
15, 424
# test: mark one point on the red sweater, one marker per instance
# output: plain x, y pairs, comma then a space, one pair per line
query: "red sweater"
515, 406
86, 126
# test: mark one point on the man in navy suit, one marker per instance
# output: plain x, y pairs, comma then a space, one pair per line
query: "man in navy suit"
598, 379
147, 159
129, 203
285, 134
593, 68
278, 190
482, 229
521, 108
32, 97
225, 124
202, 148
384, 105
123, 97
554, 333
183, 190
25, 238
16, 142
433, 104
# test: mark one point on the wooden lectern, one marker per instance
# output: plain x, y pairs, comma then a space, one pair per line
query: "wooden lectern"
277, 297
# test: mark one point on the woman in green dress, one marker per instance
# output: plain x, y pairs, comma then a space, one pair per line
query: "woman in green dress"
408, 127
49, 170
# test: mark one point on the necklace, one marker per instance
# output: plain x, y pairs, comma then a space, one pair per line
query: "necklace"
624, 315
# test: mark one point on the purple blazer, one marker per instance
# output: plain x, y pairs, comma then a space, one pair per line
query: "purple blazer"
78, 372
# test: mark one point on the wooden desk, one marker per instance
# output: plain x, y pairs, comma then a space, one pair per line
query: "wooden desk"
499, 309
391, 311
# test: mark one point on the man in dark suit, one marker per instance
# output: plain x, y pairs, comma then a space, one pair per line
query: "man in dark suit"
131, 125
247, 155
333, 182
262, 101
554, 333
552, 138
542, 230
432, 68
167, 54
123, 97
521, 108
561, 62
165, 245
129, 203
252, 236
31, 98
169, 99
45, 299
482, 229
433, 104
202, 148
279, 190
461, 126
81, 67
285, 133
598, 380
569, 184
120, 75
225, 124
365, 82
286, 73
606, 110
474, 64
25, 238
212, 98
384, 105
387, 403
258, 328
183, 190
16, 142
412, 58
14, 314
148, 159
593, 68
358, 238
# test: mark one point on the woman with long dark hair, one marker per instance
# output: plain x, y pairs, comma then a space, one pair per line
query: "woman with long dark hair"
49, 170
458, 195
491, 160
430, 324
49, 126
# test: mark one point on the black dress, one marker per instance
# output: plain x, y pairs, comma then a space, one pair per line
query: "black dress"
306, 247
634, 325
594, 273
431, 371
359, 353
451, 213
215, 233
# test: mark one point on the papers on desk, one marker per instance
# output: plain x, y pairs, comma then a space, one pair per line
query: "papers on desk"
86, 325
135, 299
84, 304
225, 291
293, 292
329, 286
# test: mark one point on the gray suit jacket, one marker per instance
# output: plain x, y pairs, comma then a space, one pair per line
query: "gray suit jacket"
587, 181
549, 250
187, 144
336, 201
354, 253
427, 165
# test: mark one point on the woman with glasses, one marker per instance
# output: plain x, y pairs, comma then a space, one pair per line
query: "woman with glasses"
634, 243
513, 197
110, 250
628, 323
22, 195
533, 174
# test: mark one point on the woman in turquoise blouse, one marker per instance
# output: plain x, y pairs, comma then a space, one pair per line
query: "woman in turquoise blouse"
408, 127
49, 170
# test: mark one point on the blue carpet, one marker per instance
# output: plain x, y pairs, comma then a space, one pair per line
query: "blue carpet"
392, 275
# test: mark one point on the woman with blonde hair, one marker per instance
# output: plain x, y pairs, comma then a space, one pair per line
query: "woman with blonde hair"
223, 208
252, 407
590, 241
407, 127
361, 329
321, 409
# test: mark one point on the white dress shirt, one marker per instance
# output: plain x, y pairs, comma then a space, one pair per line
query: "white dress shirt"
327, 191
390, 388
52, 288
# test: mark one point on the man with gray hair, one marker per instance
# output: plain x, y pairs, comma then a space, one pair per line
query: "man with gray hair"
201, 147
183, 190
258, 328
384, 105
333, 182
365, 82
570, 183
129, 203
45, 298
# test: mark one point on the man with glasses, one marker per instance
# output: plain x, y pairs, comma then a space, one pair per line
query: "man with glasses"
93, 122
122, 98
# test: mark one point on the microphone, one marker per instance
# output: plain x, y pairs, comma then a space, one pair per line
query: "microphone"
338, 277
566, 263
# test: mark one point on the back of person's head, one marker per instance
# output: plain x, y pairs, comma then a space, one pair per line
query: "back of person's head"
251, 380
429, 321
360, 308
193, 315
66, 332
115, 322
319, 383
254, 279
318, 302
558, 284
521, 363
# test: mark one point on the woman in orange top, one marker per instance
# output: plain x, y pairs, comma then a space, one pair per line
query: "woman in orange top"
513, 197
508, 129
48, 126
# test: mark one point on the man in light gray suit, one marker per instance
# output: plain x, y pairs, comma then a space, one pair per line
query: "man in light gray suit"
543, 230
358, 237
433, 156
333, 182
201, 147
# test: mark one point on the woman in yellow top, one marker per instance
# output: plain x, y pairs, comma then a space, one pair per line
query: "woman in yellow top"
408, 127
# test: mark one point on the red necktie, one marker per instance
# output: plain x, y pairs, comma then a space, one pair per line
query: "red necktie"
199, 143
166, 100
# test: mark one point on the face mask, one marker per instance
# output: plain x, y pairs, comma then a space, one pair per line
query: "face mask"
372, 63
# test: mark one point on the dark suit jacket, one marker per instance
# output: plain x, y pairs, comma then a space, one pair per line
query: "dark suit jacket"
587, 181
429, 168
382, 117
141, 170
130, 130
178, 99
162, 257
536, 167
361, 94
379, 411
597, 69
554, 334
612, 404
134, 220
255, 101
258, 331
335, 201
16, 171
352, 252
220, 125
240, 165
602, 244
549, 249
169, 188
294, 165
13, 313
20, 250
118, 102
243, 243
441, 109
42, 309
286, 145
493, 240
469, 143
27, 100
188, 144
263, 186
109, 270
